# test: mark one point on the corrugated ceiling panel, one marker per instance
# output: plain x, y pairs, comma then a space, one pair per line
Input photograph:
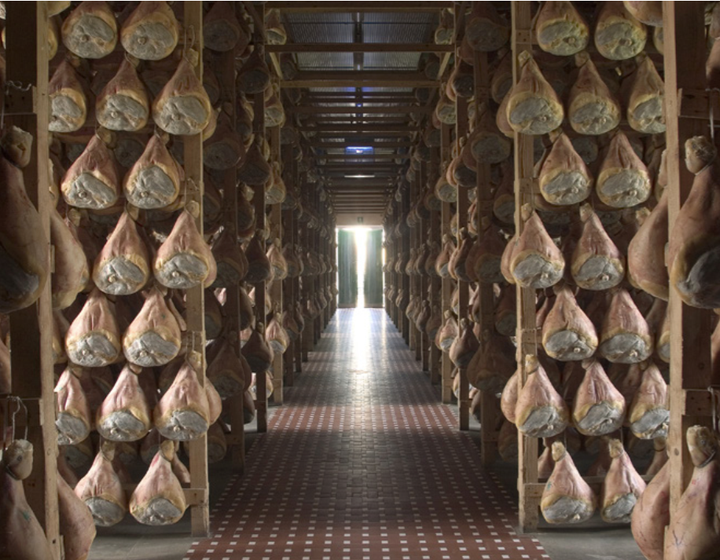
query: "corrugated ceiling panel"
329, 61
394, 61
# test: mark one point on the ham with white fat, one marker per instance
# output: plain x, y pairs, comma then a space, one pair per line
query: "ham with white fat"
76, 522
153, 338
540, 411
226, 371
508, 398
257, 351
184, 260
649, 412
648, 12
24, 260
183, 106
567, 333
68, 102
92, 181
155, 179
73, 422
93, 339
651, 515
597, 263
259, 268
535, 262
21, 536
71, 273
622, 487
159, 498
90, 31
623, 180
254, 76
693, 530
694, 243
150, 32
222, 30
182, 413
485, 30
625, 336
645, 101
564, 178
232, 264
102, 490
533, 107
646, 253
567, 498
560, 29
125, 413
618, 35
123, 103
592, 108
277, 261
277, 337
598, 408
123, 266
464, 346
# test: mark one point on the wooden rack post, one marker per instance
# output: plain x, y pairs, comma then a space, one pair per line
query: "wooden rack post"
414, 248
447, 283
276, 288
484, 204
27, 106
289, 297
690, 328
423, 280
406, 243
193, 164
523, 168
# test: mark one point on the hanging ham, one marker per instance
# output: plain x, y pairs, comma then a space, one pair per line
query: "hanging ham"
567, 333
123, 266
24, 253
597, 264
232, 264
592, 108
159, 498
183, 106
259, 268
153, 338
73, 420
508, 398
68, 102
183, 411
622, 487
71, 273
227, 371
692, 251
257, 352
21, 535
618, 35
598, 408
123, 103
76, 523
625, 336
464, 346
485, 30
649, 413
93, 339
90, 31
564, 178
560, 29
221, 29
184, 260
92, 181
151, 31
646, 253
540, 411
651, 515
567, 498
623, 180
533, 107
102, 491
125, 413
693, 530
254, 76
155, 179
646, 99
536, 262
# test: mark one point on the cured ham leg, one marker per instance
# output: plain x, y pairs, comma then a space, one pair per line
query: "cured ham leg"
599, 408
125, 413
102, 490
93, 339
540, 411
567, 498
73, 421
651, 515
153, 338
567, 333
622, 487
183, 411
76, 523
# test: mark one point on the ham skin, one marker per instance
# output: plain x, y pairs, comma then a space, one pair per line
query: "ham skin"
125, 413
651, 515
560, 29
598, 407
123, 103
567, 498
153, 338
540, 411
622, 488
90, 31
182, 413
625, 336
76, 523
154, 180
151, 32
567, 333
93, 339
183, 106
74, 420
92, 180
102, 491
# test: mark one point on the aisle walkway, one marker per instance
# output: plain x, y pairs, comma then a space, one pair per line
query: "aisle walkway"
363, 463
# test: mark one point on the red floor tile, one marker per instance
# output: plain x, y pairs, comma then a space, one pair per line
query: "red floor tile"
363, 462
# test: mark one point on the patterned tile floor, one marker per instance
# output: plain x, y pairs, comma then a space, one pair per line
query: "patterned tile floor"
363, 463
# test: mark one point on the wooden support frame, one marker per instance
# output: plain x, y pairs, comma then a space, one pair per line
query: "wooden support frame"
435, 281
690, 328
358, 47
447, 283
524, 162
357, 7
276, 287
27, 65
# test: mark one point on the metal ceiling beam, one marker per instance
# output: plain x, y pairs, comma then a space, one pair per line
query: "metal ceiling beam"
391, 145
400, 109
358, 47
332, 157
355, 7
359, 95
358, 129
356, 79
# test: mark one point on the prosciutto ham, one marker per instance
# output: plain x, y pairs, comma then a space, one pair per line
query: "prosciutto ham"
76, 523
183, 106
151, 31
567, 498
102, 491
93, 339
153, 338
560, 29
625, 336
564, 178
73, 420
540, 411
155, 179
125, 413
92, 180
123, 103
646, 253
651, 515
535, 261
567, 333
622, 488
183, 411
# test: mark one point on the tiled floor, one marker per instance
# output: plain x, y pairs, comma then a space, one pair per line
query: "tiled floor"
363, 463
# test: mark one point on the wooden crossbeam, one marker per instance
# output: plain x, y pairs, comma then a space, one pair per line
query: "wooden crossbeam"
357, 7
358, 47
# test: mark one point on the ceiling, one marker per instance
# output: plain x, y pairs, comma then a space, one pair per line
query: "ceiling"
355, 88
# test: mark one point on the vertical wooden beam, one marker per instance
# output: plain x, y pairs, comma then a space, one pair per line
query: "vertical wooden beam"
193, 164
523, 144
276, 288
436, 283
424, 280
690, 328
288, 222
447, 283
484, 202
32, 362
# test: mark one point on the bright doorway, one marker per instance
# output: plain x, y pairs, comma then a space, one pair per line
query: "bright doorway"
360, 260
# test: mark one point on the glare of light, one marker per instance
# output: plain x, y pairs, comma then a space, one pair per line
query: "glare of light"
361, 246
359, 176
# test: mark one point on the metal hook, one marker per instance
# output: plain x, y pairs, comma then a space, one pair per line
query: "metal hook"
713, 402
